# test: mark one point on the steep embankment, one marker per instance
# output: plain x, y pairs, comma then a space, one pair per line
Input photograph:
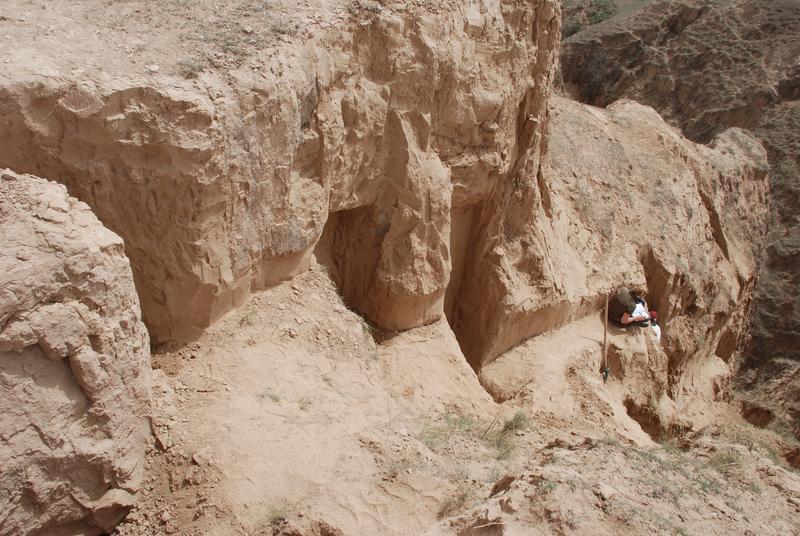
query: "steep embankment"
291, 416
644, 206
312, 421
708, 66
394, 164
74, 366
373, 130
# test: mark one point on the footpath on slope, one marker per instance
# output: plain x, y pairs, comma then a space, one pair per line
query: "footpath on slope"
538, 371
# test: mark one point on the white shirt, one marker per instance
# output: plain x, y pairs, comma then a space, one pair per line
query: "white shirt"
657, 330
640, 310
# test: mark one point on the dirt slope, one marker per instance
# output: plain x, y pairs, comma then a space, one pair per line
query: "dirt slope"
292, 416
293, 407
373, 251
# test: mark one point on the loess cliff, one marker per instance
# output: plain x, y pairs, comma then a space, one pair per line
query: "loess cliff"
707, 66
379, 134
372, 249
74, 366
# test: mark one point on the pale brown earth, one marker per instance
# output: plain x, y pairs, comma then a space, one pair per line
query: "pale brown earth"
676, 218
289, 418
401, 122
74, 366
642, 207
373, 432
372, 251
706, 66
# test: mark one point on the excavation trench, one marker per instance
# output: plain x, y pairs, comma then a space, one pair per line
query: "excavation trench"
199, 241
350, 247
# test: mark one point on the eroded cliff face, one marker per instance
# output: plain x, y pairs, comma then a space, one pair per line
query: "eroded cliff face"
412, 155
707, 66
403, 149
74, 366
407, 126
644, 207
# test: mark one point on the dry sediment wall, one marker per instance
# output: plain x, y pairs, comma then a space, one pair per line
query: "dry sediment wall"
413, 152
707, 66
624, 199
683, 221
403, 149
390, 126
74, 366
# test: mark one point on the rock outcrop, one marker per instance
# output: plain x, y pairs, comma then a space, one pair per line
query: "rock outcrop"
74, 366
641, 205
394, 140
410, 159
403, 148
707, 66
644, 207
555, 496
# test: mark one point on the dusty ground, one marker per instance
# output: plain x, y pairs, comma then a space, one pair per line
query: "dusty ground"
288, 415
153, 39
292, 415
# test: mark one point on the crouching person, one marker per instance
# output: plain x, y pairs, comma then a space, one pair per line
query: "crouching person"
626, 309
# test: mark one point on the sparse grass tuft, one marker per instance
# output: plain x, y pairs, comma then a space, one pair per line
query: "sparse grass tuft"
782, 427
519, 421
743, 436
453, 504
671, 448
462, 423
396, 468
608, 441
278, 513
282, 27
247, 320
269, 393
190, 69
436, 435
601, 10
504, 445
458, 473
723, 462
709, 485
365, 327
433, 436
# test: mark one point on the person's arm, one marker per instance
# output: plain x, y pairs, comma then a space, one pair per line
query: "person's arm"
627, 318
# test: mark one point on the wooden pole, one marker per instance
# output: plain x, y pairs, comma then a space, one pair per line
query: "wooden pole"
605, 340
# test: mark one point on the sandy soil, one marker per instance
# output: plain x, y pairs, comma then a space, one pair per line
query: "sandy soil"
152, 39
292, 415
289, 416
